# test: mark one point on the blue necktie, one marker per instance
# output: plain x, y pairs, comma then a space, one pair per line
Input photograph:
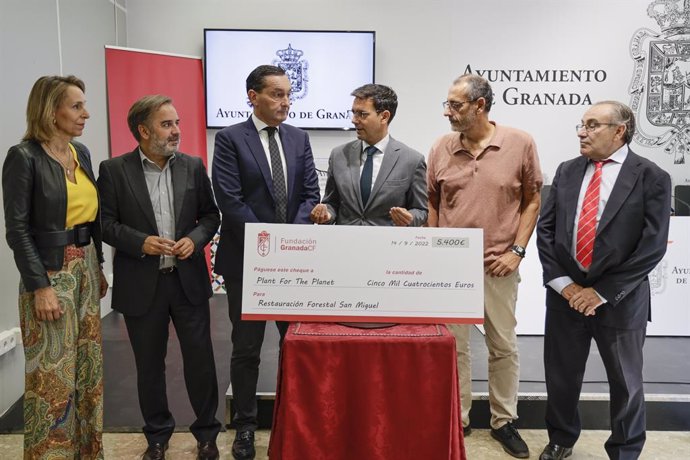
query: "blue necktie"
367, 174
279, 192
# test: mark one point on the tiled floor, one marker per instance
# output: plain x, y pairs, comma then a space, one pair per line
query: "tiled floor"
661, 445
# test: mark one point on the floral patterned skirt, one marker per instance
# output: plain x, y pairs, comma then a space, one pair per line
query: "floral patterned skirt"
63, 398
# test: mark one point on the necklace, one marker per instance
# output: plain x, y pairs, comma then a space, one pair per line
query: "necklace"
65, 165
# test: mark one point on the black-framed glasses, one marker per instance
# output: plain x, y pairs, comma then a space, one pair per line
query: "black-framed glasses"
361, 114
455, 105
593, 126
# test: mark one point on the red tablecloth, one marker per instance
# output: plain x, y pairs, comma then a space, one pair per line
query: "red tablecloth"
348, 393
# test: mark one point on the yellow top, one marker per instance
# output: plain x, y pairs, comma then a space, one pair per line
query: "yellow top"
82, 198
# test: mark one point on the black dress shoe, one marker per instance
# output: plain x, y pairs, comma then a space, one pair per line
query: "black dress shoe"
555, 452
207, 450
155, 451
466, 431
243, 446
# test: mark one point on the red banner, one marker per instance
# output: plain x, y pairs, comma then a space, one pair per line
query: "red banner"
131, 74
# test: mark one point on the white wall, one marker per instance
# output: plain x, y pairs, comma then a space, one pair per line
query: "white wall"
48, 37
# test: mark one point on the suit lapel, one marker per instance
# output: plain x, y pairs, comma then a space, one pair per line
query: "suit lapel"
572, 186
353, 156
251, 136
134, 174
390, 158
621, 189
289, 152
179, 183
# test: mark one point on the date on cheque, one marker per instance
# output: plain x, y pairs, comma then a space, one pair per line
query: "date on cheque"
447, 242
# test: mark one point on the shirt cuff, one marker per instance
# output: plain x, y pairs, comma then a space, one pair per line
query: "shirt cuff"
558, 284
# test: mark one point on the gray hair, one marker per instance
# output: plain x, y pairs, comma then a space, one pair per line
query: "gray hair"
623, 115
477, 87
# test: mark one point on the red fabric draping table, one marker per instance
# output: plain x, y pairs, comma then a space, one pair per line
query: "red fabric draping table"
348, 393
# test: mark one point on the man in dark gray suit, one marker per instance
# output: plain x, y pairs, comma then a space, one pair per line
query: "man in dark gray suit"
374, 180
603, 228
158, 213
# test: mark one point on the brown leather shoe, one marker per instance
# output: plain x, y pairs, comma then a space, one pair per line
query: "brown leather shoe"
155, 451
207, 450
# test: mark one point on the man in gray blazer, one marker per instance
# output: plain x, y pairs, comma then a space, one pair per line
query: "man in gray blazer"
375, 180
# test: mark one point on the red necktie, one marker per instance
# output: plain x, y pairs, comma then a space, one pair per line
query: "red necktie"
587, 223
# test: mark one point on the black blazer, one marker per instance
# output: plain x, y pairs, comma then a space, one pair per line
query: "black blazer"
631, 238
128, 218
35, 201
244, 186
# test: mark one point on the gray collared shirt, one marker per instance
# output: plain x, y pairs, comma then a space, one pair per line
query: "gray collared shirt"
159, 184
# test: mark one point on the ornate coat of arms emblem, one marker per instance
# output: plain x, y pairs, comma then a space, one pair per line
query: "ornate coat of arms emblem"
296, 69
263, 243
660, 87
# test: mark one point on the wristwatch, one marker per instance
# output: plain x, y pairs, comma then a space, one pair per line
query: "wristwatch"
518, 250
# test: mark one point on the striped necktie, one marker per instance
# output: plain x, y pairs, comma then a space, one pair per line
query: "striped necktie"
587, 223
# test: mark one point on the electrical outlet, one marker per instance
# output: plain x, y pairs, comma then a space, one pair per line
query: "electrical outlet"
9, 339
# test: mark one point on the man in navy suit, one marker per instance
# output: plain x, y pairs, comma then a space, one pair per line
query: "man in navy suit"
596, 272
263, 171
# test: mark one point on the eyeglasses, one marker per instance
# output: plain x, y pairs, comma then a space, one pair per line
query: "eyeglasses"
455, 105
361, 114
593, 126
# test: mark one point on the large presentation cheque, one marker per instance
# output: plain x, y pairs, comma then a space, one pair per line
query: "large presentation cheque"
363, 274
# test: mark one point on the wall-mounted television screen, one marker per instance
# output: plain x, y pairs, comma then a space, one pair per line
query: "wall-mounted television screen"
324, 67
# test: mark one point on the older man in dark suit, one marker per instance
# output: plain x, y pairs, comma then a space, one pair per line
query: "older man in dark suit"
158, 213
603, 228
263, 171
374, 180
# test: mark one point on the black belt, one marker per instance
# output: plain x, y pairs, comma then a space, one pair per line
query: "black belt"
167, 270
79, 235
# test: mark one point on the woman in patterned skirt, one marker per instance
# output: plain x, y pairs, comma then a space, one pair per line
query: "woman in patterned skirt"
52, 222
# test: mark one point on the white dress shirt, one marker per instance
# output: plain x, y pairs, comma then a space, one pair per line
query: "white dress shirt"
377, 158
609, 175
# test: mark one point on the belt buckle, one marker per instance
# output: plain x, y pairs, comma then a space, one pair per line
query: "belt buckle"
82, 235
